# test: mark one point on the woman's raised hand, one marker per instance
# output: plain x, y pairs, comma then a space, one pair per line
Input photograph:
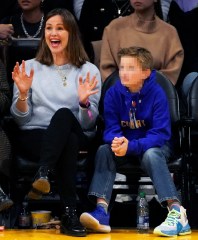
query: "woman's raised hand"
22, 80
86, 88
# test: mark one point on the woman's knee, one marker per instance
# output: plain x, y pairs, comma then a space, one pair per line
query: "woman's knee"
62, 115
63, 112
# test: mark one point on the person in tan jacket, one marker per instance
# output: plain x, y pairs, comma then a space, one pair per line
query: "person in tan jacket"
144, 29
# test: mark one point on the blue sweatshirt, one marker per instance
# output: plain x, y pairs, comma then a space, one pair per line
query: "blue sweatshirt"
143, 117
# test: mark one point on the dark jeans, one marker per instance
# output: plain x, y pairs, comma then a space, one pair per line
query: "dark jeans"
56, 147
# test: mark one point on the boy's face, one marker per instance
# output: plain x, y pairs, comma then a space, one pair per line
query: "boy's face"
131, 74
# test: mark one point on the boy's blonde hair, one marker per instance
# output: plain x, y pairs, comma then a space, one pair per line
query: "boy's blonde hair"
143, 56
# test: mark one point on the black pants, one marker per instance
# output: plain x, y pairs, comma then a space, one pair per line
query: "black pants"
56, 147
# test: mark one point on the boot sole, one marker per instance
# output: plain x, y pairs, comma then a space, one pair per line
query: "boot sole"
5, 205
93, 224
42, 185
75, 234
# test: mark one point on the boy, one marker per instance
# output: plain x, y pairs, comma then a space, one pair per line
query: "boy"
137, 123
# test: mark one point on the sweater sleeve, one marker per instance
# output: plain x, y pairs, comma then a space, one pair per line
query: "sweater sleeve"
87, 116
21, 118
107, 62
174, 57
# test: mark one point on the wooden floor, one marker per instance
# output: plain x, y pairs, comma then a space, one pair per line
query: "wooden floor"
116, 234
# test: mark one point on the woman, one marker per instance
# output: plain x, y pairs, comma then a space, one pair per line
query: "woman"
28, 23
55, 104
5, 151
142, 28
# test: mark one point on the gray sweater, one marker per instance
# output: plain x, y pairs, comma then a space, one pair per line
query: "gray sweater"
47, 95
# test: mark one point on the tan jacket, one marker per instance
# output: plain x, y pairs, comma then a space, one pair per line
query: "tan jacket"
159, 37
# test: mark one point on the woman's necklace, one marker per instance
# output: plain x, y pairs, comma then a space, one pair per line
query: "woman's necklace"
38, 30
121, 10
63, 72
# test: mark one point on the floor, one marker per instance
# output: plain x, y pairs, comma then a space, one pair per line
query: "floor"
116, 234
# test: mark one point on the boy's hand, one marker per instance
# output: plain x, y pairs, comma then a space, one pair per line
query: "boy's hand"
119, 146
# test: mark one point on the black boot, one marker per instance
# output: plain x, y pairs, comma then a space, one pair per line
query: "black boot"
41, 184
5, 202
70, 224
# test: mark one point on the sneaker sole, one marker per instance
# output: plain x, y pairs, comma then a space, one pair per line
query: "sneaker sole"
185, 233
41, 185
92, 224
157, 232
5, 205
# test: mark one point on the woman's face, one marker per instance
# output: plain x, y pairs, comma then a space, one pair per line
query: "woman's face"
29, 4
56, 35
141, 5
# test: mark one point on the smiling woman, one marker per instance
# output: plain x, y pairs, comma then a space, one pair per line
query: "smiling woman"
55, 105
56, 37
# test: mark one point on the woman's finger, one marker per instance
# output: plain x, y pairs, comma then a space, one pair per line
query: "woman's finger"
93, 85
80, 80
31, 73
87, 77
92, 81
23, 66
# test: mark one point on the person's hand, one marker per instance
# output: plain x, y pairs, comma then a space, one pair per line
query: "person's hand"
86, 88
6, 31
119, 146
22, 80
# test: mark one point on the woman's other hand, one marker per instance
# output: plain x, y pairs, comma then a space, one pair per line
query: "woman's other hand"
86, 88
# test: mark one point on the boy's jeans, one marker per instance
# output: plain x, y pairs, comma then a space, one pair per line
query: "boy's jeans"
153, 162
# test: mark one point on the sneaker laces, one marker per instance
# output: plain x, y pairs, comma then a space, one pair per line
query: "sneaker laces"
172, 218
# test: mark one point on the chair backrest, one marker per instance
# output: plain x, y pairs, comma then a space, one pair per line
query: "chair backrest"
20, 49
172, 97
192, 101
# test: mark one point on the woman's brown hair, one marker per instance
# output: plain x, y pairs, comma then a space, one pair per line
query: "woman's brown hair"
74, 50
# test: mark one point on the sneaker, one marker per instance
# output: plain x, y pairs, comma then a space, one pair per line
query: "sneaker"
176, 223
97, 221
